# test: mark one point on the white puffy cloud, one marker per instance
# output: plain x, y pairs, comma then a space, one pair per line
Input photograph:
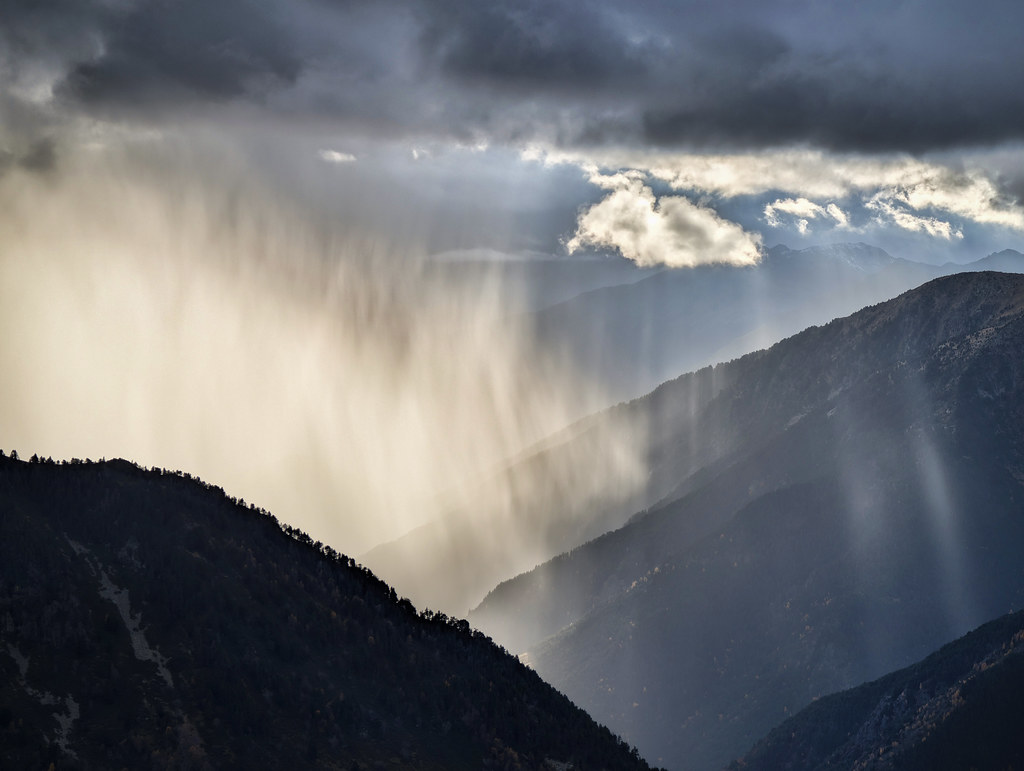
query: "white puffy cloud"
671, 231
808, 173
902, 190
833, 211
888, 211
804, 210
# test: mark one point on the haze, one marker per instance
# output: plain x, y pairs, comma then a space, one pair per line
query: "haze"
246, 241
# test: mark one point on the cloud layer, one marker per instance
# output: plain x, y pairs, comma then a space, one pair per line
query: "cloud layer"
806, 189
750, 74
792, 100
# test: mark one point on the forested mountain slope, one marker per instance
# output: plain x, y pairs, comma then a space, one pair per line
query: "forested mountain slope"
148, 621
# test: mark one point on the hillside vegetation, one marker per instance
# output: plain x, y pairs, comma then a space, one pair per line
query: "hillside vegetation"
149, 621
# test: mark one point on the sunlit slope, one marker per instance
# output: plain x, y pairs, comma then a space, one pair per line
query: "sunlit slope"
844, 503
148, 621
959, 708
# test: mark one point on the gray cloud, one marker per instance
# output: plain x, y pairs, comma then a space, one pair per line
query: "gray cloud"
863, 77
158, 52
843, 111
41, 156
532, 46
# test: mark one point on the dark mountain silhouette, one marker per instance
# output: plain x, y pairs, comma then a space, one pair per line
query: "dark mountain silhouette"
149, 621
960, 708
834, 507
633, 336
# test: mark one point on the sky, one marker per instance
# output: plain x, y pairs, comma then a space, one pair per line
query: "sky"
216, 216
667, 133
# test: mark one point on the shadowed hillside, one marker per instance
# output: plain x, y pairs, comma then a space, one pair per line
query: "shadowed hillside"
843, 503
962, 707
148, 621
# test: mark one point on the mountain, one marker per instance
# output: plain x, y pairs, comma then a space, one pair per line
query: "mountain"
962, 707
149, 621
1006, 261
591, 477
635, 336
835, 507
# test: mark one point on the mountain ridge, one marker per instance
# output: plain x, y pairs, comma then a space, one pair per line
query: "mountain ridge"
148, 620
543, 521
958, 708
871, 442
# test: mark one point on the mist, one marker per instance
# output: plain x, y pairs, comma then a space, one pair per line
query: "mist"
178, 309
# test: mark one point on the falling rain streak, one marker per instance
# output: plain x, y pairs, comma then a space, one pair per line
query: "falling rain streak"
178, 311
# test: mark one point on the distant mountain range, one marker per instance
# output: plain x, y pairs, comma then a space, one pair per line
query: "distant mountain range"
632, 336
148, 621
834, 507
960, 708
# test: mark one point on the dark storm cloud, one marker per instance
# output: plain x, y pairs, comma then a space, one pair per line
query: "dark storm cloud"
869, 76
824, 114
871, 100
532, 45
31, 26
1010, 179
184, 51
1016, 189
